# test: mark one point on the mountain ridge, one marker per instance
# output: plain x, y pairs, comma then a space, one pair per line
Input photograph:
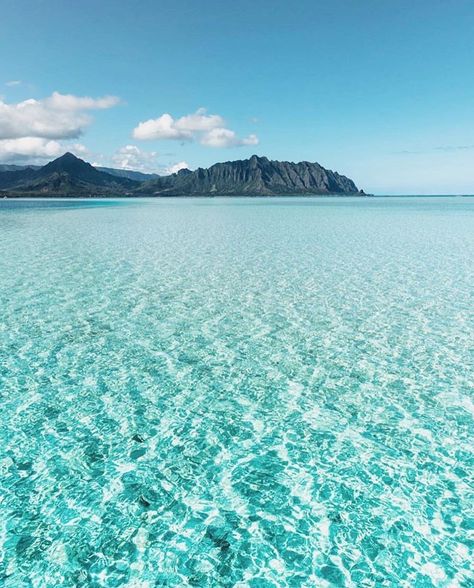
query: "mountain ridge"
67, 175
131, 174
257, 176
71, 176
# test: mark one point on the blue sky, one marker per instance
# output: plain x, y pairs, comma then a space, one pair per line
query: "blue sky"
380, 90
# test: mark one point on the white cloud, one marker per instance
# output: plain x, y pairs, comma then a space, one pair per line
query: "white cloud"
59, 116
131, 157
28, 147
208, 129
175, 167
13, 83
199, 121
163, 127
226, 138
71, 102
36, 149
78, 149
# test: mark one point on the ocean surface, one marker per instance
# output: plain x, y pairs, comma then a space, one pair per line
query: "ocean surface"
237, 392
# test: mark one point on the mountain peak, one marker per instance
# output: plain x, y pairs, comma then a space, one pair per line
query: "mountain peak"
68, 158
66, 163
258, 158
75, 173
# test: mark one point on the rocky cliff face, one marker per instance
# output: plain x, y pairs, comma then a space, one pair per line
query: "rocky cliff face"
254, 176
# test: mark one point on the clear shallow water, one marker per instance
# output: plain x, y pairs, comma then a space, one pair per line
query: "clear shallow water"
237, 392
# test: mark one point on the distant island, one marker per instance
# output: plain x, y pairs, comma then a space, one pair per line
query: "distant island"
69, 176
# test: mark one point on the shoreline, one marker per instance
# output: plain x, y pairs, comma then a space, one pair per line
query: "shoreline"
229, 196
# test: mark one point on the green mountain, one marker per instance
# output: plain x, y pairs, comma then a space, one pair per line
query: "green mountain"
257, 176
66, 176
128, 173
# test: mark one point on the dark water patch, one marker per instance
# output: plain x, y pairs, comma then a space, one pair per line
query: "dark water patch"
19, 204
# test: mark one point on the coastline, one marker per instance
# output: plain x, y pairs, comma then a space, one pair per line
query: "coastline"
229, 196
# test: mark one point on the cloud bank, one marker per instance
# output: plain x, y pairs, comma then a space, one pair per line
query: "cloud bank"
33, 128
134, 158
36, 149
131, 157
221, 137
208, 129
29, 148
42, 129
60, 116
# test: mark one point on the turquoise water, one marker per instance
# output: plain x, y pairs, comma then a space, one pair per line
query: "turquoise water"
234, 392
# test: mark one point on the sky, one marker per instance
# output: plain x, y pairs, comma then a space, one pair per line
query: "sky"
379, 90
